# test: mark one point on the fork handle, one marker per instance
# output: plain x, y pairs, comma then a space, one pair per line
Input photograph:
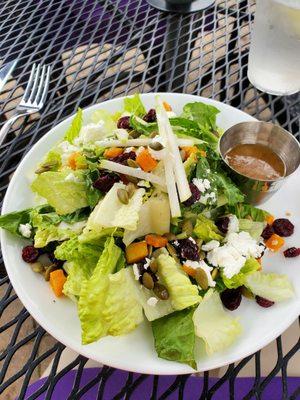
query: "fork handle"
6, 127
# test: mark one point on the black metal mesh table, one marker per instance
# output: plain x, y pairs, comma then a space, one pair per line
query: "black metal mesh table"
100, 49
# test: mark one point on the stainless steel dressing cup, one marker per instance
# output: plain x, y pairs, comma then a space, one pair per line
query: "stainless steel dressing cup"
265, 133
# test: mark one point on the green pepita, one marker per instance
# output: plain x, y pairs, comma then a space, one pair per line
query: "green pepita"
172, 252
154, 266
247, 293
134, 134
148, 281
161, 291
130, 188
182, 235
48, 271
131, 163
156, 253
150, 251
46, 167
202, 255
170, 236
123, 196
187, 227
132, 179
37, 267
153, 134
201, 278
156, 146
215, 273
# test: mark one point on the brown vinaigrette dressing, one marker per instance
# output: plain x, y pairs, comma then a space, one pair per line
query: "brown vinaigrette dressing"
256, 161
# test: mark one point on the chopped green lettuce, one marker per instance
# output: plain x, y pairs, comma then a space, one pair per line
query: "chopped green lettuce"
190, 165
271, 286
77, 273
214, 325
174, 337
154, 217
52, 162
202, 113
108, 120
65, 195
206, 230
182, 292
242, 210
133, 105
75, 127
12, 221
254, 228
141, 126
228, 188
186, 127
110, 212
251, 265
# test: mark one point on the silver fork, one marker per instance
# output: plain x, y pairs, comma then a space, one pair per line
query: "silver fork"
33, 98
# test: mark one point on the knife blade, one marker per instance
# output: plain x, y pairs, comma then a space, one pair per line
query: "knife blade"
5, 72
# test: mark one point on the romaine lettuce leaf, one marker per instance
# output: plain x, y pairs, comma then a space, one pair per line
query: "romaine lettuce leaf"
206, 230
228, 188
154, 217
12, 221
66, 196
52, 162
141, 126
174, 337
133, 105
107, 118
251, 265
254, 228
184, 126
214, 325
202, 113
271, 286
182, 292
242, 210
110, 212
94, 292
77, 273
75, 127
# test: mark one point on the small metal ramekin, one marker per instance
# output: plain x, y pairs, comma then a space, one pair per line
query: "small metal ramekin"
265, 133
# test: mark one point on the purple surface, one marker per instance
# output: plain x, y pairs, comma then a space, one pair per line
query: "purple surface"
193, 388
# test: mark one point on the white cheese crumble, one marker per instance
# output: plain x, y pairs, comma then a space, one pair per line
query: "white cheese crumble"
147, 263
92, 132
143, 183
213, 244
136, 272
233, 225
206, 268
199, 184
25, 230
67, 149
72, 178
129, 149
171, 114
208, 197
152, 301
244, 243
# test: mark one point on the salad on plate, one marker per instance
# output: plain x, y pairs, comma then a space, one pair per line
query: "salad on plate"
136, 218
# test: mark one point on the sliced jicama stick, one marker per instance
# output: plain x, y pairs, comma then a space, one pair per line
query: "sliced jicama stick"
180, 175
137, 173
169, 174
138, 142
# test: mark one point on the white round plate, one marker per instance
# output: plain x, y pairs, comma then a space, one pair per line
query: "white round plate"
135, 352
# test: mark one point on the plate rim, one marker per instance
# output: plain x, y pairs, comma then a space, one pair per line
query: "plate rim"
71, 342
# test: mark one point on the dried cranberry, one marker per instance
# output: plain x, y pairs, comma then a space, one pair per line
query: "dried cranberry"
292, 252
150, 116
124, 123
106, 181
122, 158
283, 227
196, 194
267, 232
263, 302
231, 298
187, 249
222, 224
30, 254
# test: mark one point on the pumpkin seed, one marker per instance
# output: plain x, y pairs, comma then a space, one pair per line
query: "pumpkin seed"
132, 179
148, 281
134, 134
182, 155
156, 146
153, 134
158, 252
37, 267
130, 189
201, 278
46, 167
215, 273
150, 251
48, 271
182, 235
131, 163
170, 236
172, 252
161, 291
123, 196
154, 266
199, 243
187, 227
247, 293
202, 255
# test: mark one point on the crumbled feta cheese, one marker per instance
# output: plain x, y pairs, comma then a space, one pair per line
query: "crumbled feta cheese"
206, 268
233, 225
152, 301
228, 258
213, 244
176, 243
25, 230
199, 184
92, 132
144, 183
72, 178
129, 149
121, 134
171, 114
192, 240
147, 263
208, 196
67, 147
136, 272
244, 243
208, 170
206, 183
